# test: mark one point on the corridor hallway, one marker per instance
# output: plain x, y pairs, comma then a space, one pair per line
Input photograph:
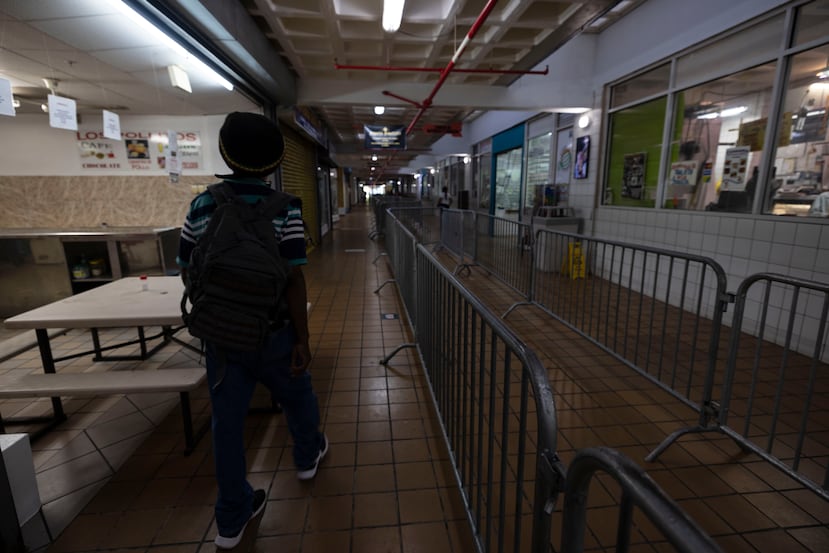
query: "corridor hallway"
386, 484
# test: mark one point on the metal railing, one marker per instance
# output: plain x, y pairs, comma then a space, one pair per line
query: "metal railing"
773, 399
379, 204
495, 405
658, 311
661, 313
639, 491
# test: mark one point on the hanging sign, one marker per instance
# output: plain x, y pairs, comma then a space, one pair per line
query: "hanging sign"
63, 113
112, 125
6, 98
384, 137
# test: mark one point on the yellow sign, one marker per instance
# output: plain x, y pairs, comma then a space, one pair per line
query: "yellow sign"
575, 261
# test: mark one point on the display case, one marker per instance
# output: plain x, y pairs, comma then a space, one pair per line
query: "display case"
39, 266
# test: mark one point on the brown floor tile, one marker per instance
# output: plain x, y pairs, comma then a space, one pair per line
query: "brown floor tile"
329, 513
419, 506
374, 478
375, 509
384, 539
426, 538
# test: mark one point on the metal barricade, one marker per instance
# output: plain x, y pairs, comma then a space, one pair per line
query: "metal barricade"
639, 491
496, 409
379, 205
773, 399
497, 414
658, 311
504, 248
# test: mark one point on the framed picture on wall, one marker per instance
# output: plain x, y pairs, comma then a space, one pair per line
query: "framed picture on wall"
633, 176
582, 157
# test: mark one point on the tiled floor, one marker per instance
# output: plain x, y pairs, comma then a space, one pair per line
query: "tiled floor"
113, 478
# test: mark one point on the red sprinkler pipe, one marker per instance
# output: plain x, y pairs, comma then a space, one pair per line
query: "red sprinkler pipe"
438, 69
449, 66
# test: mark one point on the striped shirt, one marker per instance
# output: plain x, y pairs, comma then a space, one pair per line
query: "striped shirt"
288, 225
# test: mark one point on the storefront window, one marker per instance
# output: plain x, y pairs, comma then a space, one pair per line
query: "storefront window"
482, 170
508, 182
539, 151
635, 147
800, 169
642, 86
718, 142
812, 22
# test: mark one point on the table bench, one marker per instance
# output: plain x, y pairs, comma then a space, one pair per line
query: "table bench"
183, 381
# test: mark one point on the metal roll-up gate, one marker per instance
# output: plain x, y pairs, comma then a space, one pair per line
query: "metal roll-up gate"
298, 178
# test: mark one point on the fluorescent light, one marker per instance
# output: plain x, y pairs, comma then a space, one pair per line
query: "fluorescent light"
169, 42
598, 23
379, 110
712, 115
733, 111
823, 73
392, 14
621, 6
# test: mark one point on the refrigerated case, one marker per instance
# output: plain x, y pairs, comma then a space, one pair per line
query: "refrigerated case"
39, 266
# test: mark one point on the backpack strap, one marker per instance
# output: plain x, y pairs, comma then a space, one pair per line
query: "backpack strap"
273, 205
222, 192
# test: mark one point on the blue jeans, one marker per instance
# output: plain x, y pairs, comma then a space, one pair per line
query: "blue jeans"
230, 403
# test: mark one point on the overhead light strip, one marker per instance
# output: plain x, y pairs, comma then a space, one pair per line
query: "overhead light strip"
171, 43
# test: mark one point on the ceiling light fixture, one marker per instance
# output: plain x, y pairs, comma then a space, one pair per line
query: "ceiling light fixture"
584, 121
392, 14
181, 50
379, 110
733, 111
823, 73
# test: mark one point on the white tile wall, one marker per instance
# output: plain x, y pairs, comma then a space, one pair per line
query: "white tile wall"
742, 245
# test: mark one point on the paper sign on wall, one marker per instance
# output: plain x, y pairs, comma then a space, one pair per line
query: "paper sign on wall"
735, 168
684, 173
63, 113
112, 125
6, 98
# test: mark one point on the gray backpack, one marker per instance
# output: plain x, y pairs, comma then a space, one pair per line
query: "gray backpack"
236, 278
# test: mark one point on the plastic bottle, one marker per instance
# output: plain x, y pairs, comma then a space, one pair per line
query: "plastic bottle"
144, 284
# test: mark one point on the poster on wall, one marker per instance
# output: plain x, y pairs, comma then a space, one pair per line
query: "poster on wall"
138, 151
564, 156
734, 169
582, 157
684, 173
633, 176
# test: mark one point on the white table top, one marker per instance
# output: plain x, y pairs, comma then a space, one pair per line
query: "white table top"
120, 303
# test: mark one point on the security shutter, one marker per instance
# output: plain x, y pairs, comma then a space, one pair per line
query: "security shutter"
298, 172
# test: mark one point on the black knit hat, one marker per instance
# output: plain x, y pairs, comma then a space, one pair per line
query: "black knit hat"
251, 144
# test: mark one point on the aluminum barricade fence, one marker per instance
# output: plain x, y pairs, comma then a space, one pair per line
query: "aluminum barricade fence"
422, 222
656, 310
638, 491
400, 247
380, 204
776, 389
496, 409
504, 248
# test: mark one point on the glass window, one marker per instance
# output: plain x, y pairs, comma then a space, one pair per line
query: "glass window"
538, 172
812, 22
641, 86
718, 141
800, 173
635, 146
753, 46
508, 182
482, 168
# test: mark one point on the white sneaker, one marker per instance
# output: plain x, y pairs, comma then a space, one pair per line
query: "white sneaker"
310, 472
229, 542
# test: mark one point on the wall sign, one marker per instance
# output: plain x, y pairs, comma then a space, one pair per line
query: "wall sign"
139, 151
